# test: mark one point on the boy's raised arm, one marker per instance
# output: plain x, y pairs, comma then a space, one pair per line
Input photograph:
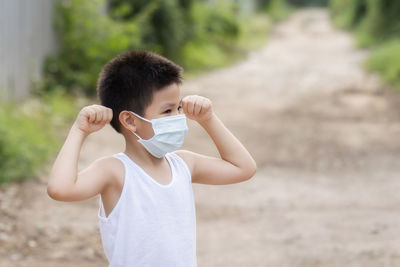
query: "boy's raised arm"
64, 182
235, 165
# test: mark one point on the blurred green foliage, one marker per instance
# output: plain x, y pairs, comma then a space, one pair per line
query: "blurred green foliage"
280, 9
277, 10
386, 60
88, 39
376, 24
167, 27
196, 34
297, 3
214, 35
308, 3
373, 20
29, 134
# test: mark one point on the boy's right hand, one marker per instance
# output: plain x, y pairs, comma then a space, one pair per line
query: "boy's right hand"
92, 118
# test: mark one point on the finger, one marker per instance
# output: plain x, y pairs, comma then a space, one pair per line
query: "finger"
184, 104
108, 115
103, 115
190, 106
95, 115
99, 115
197, 107
91, 115
206, 105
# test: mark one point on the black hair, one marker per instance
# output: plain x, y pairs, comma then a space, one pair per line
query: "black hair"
128, 81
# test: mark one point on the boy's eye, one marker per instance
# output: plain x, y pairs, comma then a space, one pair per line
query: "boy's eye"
169, 110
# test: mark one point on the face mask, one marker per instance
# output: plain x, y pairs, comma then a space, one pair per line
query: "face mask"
169, 133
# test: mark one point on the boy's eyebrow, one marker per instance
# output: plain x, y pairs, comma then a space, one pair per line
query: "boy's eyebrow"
167, 105
170, 104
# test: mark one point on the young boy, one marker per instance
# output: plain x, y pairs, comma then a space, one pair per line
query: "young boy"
147, 212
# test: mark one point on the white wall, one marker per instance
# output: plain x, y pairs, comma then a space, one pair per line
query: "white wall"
26, 37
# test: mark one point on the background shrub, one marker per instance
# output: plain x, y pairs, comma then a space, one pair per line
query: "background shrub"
386, 60
30, 133
376, 24
91, 33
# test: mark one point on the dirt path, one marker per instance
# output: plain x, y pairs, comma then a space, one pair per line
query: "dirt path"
324, 134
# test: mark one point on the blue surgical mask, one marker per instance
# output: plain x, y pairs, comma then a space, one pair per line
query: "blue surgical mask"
169, 133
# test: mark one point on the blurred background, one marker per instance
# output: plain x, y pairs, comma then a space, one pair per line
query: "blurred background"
311, 88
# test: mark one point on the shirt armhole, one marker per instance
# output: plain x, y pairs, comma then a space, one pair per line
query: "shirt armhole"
183, 163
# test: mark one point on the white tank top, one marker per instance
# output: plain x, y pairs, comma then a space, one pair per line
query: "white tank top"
152, 224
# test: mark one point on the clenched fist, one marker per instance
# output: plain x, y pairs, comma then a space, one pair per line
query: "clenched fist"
92, 118
197, 108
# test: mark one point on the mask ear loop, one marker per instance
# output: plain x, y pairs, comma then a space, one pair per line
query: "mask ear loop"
140, 117
139, 138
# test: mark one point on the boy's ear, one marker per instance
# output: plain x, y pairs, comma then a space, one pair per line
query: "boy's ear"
127, 120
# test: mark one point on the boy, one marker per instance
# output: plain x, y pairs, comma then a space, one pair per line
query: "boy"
147, 213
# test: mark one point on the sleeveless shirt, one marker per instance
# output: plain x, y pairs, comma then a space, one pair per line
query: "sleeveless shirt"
151, 224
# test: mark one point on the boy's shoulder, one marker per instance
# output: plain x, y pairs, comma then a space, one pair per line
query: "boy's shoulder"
107, 163
188, 157
111, 167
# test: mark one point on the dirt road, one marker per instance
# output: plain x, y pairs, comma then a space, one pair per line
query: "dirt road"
325, 135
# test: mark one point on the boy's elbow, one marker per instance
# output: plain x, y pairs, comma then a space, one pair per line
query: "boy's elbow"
57, 192
253, 169
250, 171
53, 192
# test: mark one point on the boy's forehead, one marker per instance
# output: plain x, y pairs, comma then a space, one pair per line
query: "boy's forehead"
168, 94
164, 98
168, 102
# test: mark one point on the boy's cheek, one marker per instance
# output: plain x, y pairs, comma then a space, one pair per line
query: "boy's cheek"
145, 131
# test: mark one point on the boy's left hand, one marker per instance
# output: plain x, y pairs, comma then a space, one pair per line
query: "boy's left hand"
197, 108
